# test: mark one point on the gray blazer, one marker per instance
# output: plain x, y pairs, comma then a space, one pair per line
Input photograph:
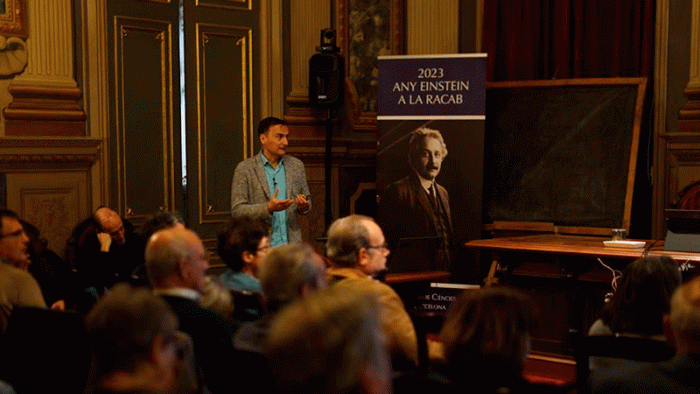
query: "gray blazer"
250, 192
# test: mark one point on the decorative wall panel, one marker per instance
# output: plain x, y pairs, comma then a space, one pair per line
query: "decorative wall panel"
144, 116
52, 201
225, 114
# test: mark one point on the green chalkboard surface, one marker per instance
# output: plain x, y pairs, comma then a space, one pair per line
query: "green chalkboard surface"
562, 151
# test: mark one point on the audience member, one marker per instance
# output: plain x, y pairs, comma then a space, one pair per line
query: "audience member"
329, 342
17, 286
486, 338
55, 277
6, 388
105, 249
639, 303
176, 262
289, 272
155, 222
243, 245
677, 375
135, 347
215, 296
358, 250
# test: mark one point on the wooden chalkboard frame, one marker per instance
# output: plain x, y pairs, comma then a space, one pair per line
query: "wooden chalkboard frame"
528, 86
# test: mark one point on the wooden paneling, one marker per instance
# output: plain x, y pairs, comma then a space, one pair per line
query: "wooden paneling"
682, 164
225, 130
144, 115
53, 201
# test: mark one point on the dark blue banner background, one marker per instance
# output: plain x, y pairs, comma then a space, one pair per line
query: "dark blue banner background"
432, 86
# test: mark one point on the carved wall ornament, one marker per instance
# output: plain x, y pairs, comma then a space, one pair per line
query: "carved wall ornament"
13, 56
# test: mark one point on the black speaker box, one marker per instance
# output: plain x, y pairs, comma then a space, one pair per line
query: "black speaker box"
326, 75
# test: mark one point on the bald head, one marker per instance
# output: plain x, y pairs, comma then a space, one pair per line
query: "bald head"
175, 257
111, 223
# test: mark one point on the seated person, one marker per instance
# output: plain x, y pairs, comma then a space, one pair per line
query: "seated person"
135, 346
677, 375
105, 250
638, 304
290, 272
486, 338
329, 342
358, 251
17, 286
55, 277
176, 263
243, 244
215, 297
155, 222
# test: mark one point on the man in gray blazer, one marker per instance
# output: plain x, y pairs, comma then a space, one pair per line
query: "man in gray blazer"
272, 185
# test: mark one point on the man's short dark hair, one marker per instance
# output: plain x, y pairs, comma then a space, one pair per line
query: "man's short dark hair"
9, 214
238, 236
159, 221
268, 122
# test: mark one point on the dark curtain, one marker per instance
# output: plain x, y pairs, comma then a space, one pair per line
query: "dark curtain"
559, 39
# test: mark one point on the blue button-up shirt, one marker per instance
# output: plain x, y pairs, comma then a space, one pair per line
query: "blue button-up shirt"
277, 179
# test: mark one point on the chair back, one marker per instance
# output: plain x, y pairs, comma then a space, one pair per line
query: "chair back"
44, 350
621, 346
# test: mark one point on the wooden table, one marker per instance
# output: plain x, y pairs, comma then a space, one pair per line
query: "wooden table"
565, 275
570, 245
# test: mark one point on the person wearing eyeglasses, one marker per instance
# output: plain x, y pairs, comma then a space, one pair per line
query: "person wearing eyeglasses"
17, 286
358, 251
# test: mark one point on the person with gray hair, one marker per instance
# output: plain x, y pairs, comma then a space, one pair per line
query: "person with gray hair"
358, 251
136, 347
416, 206
677, 375
329, 342
176, 263
289, 272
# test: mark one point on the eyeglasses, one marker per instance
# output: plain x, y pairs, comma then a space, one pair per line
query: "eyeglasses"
382, 246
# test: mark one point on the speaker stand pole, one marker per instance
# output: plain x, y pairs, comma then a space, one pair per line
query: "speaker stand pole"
328, 166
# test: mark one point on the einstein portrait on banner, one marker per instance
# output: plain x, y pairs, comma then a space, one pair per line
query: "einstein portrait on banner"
416, 208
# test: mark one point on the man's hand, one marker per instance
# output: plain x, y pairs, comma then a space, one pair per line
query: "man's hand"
302, 202
105, 241
278, 205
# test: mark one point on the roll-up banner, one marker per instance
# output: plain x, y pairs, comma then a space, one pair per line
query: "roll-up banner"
430, 160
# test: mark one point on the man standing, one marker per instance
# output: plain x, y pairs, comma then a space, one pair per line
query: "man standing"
416, 206
358, 250
272, 185
176, 263
17, 286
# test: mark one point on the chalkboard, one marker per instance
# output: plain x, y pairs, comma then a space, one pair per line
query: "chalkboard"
562, 151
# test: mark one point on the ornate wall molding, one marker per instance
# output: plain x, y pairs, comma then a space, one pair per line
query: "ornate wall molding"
26, 153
